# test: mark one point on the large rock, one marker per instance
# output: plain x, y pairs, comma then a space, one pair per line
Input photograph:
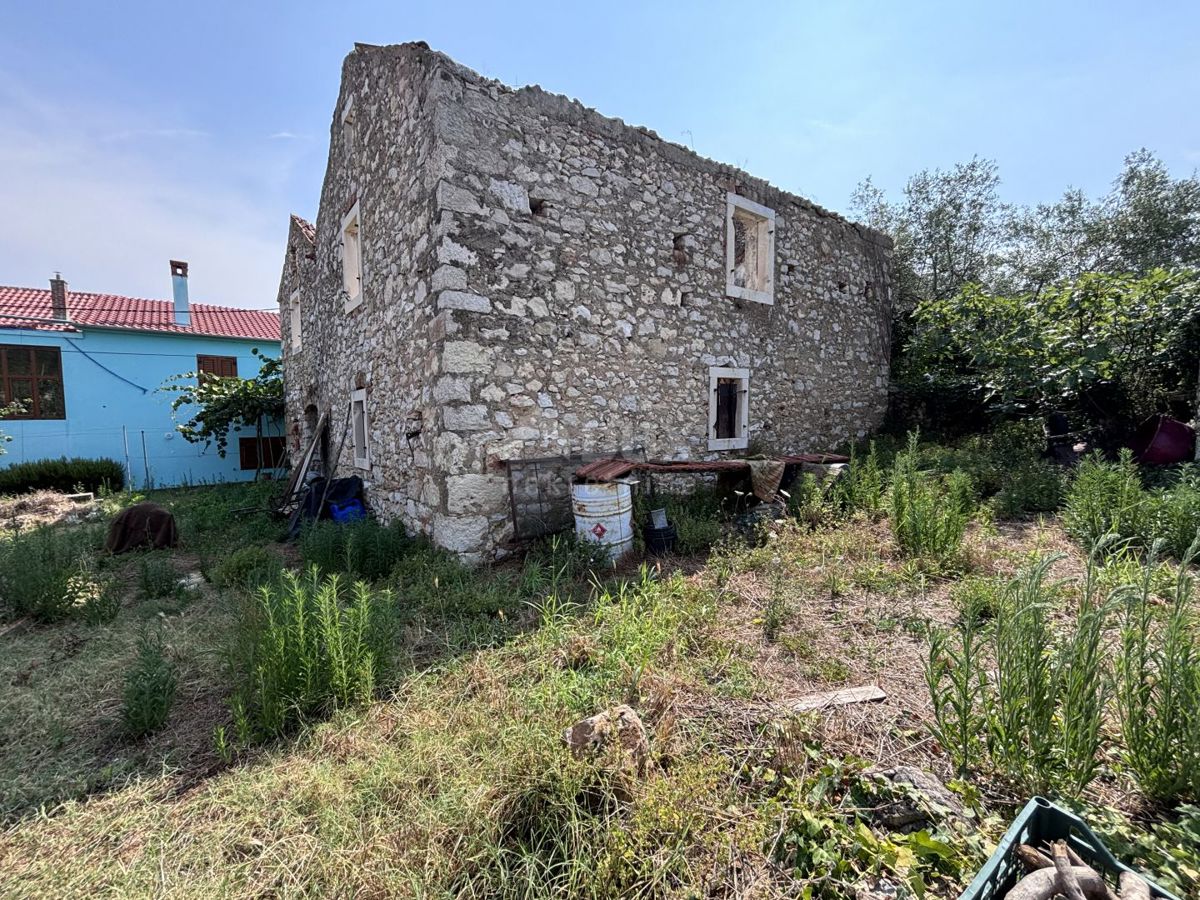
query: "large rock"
620, 726
913, 798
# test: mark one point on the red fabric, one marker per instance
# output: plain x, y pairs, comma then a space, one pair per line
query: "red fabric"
30, 308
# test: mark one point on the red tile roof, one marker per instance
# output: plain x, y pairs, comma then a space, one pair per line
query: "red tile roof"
30, 308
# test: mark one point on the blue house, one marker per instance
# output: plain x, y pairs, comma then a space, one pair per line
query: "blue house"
88, 368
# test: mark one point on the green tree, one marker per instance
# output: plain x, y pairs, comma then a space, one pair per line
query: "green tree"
217, 405
5, 411
1109, 347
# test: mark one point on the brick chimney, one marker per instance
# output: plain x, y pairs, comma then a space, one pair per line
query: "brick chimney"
179, 290
58, 297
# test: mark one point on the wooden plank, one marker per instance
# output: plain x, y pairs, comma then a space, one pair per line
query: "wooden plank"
869, 693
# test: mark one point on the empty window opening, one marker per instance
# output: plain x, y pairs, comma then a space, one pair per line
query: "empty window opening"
352, 281
359, 428
728, 408
348, 123
749, 250
294, 319
679, 255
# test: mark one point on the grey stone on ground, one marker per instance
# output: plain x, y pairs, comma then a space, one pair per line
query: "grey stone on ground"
922, 800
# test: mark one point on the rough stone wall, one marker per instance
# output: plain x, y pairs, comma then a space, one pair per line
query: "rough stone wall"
589, 321
386, 344
543, 280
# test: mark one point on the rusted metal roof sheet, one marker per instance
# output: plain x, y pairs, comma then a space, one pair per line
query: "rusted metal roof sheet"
612, 469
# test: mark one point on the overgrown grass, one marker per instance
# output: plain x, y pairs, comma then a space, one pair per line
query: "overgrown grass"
49, 573
363, 549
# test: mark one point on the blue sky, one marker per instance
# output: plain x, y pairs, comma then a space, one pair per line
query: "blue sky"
135, 132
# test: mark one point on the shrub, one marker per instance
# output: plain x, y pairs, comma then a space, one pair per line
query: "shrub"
156, 577
1158, 688
65, 475
307, 644
363, 549
246, 568
1106, 499
929, 516
696, 517
1037, 486
149, 688
46, 573
1175, 512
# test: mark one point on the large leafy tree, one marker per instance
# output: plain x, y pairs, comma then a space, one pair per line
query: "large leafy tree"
996, 303
217, 405
1109, 348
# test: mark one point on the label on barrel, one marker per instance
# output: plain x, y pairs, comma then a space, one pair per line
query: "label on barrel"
599, 530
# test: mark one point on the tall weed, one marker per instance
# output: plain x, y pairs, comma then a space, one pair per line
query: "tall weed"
307, 644
149, 688
1106, 499
928, 516
1158, 687
1037, 715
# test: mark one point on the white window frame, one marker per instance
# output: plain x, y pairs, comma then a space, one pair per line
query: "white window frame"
761, 222
741, 440
294, 321
352, 258
362, 452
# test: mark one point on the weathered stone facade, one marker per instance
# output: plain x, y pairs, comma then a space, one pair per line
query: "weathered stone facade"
539, 279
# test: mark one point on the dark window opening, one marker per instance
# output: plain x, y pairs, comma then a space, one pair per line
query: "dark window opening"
728, 391
32, 378
739, 240
265, 452
537, 206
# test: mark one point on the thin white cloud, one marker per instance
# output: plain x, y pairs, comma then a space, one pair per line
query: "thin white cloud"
133, 134
90, 192
287, 136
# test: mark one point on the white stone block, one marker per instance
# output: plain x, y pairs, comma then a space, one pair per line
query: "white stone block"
460, 534
469, 494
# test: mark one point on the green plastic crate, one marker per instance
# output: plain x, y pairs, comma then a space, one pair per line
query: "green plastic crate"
1040, 822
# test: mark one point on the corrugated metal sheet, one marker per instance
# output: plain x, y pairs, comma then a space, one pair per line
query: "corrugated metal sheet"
612, 469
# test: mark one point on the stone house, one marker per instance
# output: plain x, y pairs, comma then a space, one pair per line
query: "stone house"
499, 274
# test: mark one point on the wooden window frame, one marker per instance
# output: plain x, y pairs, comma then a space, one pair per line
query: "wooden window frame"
741, 436
6, 393
271, 459
212, 364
